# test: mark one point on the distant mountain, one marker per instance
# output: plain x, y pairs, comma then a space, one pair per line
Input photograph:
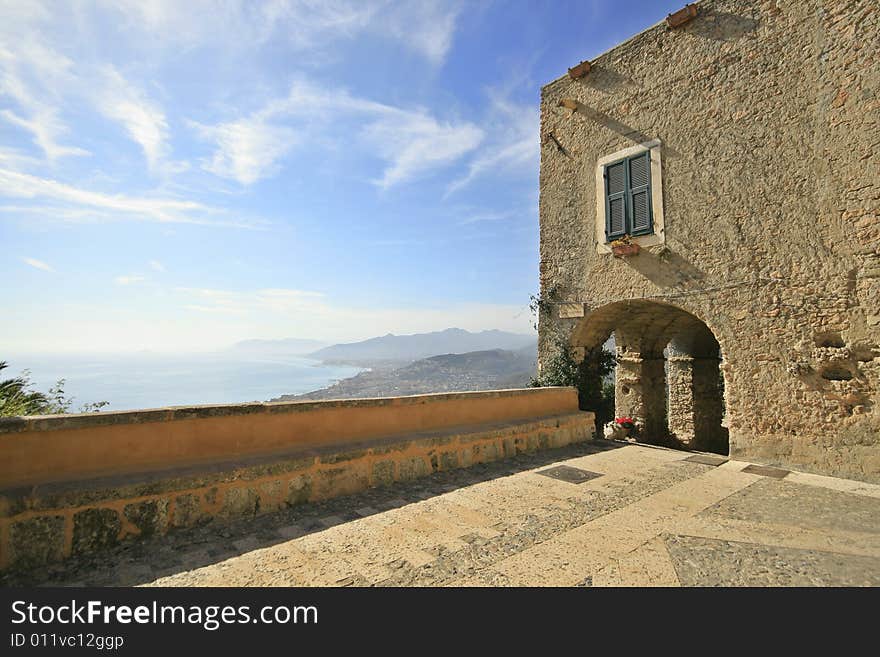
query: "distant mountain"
493, 369
530, 351
286, 346
407, 348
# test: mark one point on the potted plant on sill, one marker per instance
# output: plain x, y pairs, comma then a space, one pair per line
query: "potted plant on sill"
624, 247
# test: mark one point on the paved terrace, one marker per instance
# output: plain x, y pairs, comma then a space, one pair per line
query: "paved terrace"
613, 515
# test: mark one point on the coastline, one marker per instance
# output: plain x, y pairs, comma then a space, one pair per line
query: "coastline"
495, 369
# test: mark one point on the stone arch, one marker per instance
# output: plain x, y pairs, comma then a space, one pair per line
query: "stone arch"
668, 370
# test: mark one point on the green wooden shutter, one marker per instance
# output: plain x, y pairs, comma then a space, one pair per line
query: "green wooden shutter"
639, 194
615, 200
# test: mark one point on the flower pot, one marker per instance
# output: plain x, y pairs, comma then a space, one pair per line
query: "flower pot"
579, 71
625, 250
613, 431
682, 16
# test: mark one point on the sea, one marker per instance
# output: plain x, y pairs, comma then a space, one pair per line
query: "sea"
147, 380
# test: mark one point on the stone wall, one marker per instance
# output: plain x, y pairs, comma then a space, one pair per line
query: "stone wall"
103, 496
767, 113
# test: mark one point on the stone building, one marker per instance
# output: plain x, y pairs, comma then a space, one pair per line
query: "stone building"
739, 150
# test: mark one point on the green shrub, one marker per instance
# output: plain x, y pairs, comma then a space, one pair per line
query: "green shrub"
589, 376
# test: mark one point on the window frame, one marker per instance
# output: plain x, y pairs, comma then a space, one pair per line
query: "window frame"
627, 195
655, 234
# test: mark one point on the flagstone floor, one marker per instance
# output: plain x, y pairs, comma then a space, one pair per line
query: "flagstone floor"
614, 515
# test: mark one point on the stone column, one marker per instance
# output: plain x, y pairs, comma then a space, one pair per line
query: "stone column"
708, 406
654, 399
640, 392
628, 386
681, 397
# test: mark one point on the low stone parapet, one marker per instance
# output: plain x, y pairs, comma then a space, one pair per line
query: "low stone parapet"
103, 498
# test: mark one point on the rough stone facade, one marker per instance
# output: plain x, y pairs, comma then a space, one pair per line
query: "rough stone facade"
767, 116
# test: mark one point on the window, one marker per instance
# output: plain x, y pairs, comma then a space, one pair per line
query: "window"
628, 197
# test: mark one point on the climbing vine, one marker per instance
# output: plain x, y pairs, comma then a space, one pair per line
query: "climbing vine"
542, 305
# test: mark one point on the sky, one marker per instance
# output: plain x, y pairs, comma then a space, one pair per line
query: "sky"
183, 175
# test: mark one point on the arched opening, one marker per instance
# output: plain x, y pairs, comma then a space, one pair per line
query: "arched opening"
668, 372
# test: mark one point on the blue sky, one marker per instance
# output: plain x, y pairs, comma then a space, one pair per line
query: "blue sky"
182, 175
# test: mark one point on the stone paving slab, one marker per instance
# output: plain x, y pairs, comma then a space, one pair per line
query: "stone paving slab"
708, 562
832, 483
791, 536
707, 459
654, 517
648, 565
592, 546
784, 502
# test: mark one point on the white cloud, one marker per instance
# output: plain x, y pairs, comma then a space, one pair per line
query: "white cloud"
302, 23
426, 27
155, 265
46, 129
129, 280
513, 144
410, 141
33, 77
23, 185
30, 75
486, 217
504, 157
78, 202
38, 264
42, 82
414, 142
248, 149
14, 159
308, 23
143, 118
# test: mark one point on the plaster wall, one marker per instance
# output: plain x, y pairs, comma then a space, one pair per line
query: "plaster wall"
98, 496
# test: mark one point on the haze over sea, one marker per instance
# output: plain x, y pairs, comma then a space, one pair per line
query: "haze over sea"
147, 380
